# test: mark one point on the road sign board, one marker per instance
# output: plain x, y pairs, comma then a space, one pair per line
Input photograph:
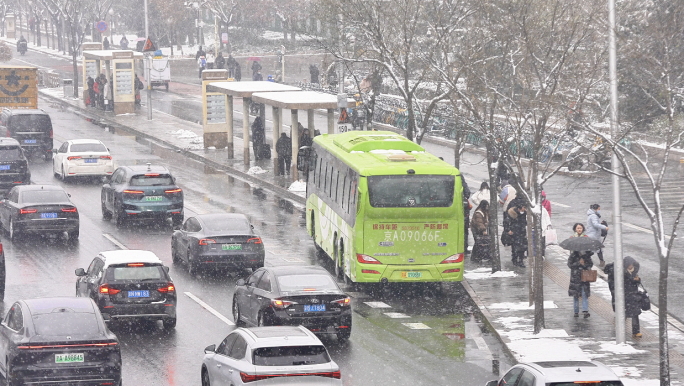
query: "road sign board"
224, 37
149, 46
101, 25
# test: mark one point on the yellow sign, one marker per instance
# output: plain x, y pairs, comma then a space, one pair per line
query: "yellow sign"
18, 87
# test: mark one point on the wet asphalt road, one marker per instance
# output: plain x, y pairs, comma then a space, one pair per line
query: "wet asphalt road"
381, 350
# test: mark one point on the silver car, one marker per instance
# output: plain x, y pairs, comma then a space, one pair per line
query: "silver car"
558, 373
284, 355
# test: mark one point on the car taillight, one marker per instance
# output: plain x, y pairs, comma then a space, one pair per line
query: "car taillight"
133, 191
167, 289
343, 302
69, 210
136, 264
246, 378
106, 290
0, 247
453, 270
151, 174
173, 190
27, 211
458, 258
207, 241
254, 240
50, 133
109, 157
366, 259
279, 303
73, 157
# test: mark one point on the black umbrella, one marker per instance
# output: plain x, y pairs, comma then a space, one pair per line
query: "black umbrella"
581, 244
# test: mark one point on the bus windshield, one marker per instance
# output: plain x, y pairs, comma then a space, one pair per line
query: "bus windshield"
408, 191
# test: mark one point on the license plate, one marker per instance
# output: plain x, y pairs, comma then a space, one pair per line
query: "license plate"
69, 358
411, 275
231, 247
48, 215
153, 198
30, 141
139, 294
90, 160
314, 307
4, 167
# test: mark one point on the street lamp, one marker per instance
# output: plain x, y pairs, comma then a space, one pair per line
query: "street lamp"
111, 26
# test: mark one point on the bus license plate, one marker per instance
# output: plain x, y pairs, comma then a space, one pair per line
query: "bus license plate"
69, 358
314, 307
411, 275
153, 198
139, 294
30, 141
231, 247
4, 167
90, 160
48, 215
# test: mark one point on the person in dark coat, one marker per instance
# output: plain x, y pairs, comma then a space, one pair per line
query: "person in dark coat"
258, 77
631, 284
480, 227
578, 262
105, 43
256, 67
220, 61
91, 91
123, 43
258, 136
466, 213
313, 70
200, 53
231, 63
304, 140
238, 72
515, 225
284, 149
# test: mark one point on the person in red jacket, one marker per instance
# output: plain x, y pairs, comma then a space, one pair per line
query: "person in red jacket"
546, 203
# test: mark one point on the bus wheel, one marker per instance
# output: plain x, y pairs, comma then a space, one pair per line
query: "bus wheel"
336, 257
345, 278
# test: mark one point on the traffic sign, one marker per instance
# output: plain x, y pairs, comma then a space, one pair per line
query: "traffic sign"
101, 25
149, 46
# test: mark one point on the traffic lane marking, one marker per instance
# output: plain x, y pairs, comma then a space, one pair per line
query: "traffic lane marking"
115, 241
210, 309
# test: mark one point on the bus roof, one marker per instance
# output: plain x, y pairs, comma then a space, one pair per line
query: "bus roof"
382, 153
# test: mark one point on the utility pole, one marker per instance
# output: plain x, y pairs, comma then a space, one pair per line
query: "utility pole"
617, 206
148, 59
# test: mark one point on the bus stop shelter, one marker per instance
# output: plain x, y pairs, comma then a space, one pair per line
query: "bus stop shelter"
120, 69
295, 101
245, 90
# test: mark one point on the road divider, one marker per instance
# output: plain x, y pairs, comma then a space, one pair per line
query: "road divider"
210, 309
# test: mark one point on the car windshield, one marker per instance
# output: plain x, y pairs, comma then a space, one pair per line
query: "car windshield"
135, 273
88, 147
290, 356
296, 283
43, 196
151, 179
9, 153
66, 323
426, 191
37, 123
228, 225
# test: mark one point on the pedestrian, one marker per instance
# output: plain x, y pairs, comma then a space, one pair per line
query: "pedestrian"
91, 91
482, 194
515, 226
578, 262
508, 193
466, 213
278, 77
546, 203
220, 61
480, 227
313, 71
305, 141
109, 96
102, 82
256, 67
594, 228
96, 89
578, 230
210, 61
200, 53
123, 43
232, 65
202, 63
258, 77
545, 226
631, 286
238, 72
138, 86
105, 43
258, 136
284, 149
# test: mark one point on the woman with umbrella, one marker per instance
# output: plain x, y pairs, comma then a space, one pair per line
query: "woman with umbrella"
577, 262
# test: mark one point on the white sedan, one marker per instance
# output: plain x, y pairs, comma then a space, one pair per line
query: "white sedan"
82, 157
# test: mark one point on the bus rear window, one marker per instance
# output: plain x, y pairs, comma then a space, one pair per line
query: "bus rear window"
419, 191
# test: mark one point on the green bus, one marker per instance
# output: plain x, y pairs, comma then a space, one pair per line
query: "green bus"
383, 209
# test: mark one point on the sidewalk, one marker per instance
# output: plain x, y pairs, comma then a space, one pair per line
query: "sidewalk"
502, 298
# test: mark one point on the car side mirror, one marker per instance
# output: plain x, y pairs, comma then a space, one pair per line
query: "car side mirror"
55, 151
240, 282
492, 383
210, 349
106, 317
166, 269
80, 272
251, 226
69, 194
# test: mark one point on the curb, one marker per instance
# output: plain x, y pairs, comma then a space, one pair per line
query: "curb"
278, 190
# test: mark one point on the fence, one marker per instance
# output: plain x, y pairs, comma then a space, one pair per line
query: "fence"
48, 79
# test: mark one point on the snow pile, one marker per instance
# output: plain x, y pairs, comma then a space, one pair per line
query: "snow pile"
528, 333
183, 134
520, 306
256, 170
298, 187
624, 348
486, 273
546, 349
387, 151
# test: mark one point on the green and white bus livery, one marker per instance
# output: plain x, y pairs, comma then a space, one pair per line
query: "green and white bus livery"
383, 209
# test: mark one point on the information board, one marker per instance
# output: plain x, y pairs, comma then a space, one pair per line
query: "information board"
124, 82
216, 108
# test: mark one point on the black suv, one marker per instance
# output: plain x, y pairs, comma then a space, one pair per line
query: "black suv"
140, 193
13, 165
31, 128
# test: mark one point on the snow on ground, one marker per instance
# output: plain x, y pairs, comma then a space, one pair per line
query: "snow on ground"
256, 170
640, 382
546, 349
620, 348
520, 306
486, 273
626, 371
528, 333
298, 187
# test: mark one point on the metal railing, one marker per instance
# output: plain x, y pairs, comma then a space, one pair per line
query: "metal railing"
49, 79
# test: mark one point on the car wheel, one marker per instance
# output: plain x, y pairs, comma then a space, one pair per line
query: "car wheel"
47, 156
174, 253
236, 312
3, 275
192, 266
169, 323
343, 334
261, 320
120, 219
73, 235
205, 378
13, 233
64, 176
177, 221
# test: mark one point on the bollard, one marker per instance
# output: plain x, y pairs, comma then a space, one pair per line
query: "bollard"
68, 87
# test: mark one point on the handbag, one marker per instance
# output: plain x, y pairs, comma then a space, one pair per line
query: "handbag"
506, 239
551, 236
589, 275
604, 232
644, 299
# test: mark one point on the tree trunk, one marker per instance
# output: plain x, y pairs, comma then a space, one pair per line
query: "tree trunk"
662, 322
538, 277
493, 213
411, 118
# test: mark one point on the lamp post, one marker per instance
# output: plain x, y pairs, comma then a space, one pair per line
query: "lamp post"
111, 26
170, 23
148, 58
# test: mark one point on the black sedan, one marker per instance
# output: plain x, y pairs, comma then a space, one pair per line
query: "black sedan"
293, 295
217, 241
58, 341
39, 209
